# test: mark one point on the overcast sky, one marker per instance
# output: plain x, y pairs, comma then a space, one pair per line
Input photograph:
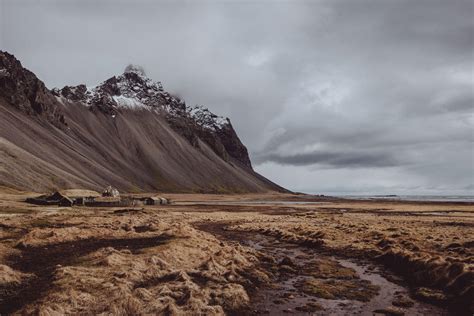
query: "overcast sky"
368, 97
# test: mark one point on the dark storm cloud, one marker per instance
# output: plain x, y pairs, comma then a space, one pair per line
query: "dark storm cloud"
326, 89
334, 159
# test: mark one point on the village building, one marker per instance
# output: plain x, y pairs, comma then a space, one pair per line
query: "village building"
65, 201
84, 200
155, 200
66, 198
110, 197
52, 199
110, 191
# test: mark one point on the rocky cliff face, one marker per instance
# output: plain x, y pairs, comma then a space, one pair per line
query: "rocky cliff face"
20, 88
127, 131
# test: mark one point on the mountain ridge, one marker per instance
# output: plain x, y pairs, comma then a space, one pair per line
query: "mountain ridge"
127, 131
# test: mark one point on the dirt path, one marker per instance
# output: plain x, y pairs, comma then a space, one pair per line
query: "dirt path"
308, 282
43, 261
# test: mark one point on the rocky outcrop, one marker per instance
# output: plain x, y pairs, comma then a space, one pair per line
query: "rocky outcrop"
233, 145
23, 90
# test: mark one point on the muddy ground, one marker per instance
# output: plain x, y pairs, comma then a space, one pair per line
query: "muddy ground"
238, 254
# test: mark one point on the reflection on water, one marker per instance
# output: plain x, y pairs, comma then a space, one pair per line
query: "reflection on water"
420, 198
256, 202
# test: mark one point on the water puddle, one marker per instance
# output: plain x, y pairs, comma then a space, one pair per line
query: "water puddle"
253, 202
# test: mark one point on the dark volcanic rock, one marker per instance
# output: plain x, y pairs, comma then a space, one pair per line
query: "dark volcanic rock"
22, 89
77, 93
233, 145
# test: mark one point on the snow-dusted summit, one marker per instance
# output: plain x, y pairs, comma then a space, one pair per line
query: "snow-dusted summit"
134, 90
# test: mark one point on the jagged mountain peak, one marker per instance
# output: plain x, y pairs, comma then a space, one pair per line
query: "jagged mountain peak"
134, 78
130, 91
137, 69
91, 136
134, 90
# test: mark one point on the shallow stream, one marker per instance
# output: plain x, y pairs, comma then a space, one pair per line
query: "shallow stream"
353, 287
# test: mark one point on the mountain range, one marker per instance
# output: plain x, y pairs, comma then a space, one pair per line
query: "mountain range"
127, 132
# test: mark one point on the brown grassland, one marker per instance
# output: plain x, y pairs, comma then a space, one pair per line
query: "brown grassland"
237, 254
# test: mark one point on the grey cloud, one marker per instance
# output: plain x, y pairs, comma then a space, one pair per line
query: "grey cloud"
355, 84
461, 103
333, 159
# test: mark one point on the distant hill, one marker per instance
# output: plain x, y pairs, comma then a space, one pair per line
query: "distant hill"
127, 132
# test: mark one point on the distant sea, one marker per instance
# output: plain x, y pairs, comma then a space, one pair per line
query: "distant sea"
434, 198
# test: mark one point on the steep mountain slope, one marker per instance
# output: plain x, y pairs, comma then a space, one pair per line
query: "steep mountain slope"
127, 132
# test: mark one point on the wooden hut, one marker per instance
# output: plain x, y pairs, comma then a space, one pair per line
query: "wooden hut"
155, 200
65, 201
52, 199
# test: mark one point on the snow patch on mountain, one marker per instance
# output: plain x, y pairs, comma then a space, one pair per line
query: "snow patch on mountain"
127, 102
206, 118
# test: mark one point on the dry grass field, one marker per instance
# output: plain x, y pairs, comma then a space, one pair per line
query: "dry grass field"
237, 254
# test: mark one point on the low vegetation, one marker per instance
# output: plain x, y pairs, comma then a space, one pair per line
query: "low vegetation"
190, 258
